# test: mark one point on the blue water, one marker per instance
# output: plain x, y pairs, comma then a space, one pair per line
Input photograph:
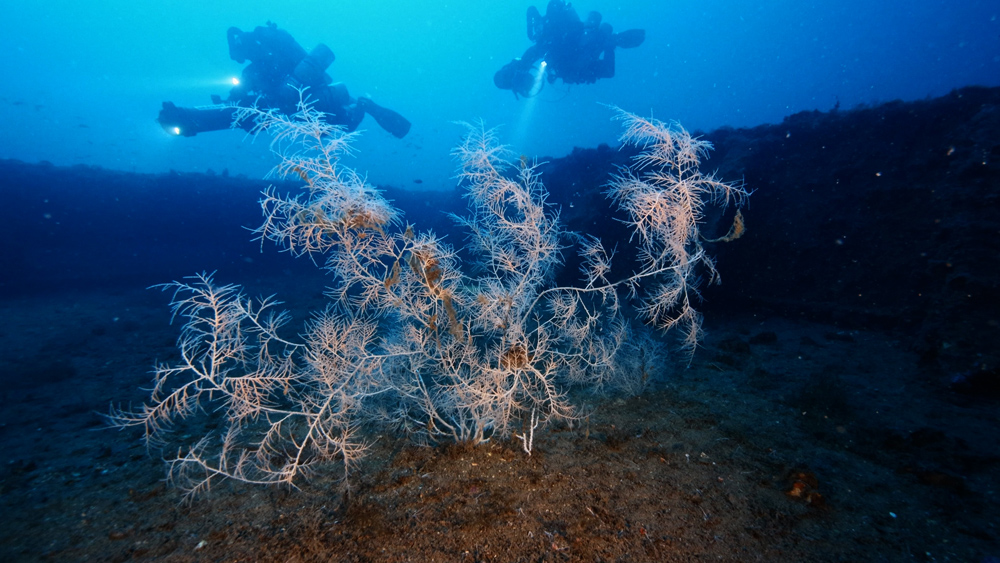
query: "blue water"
83, 81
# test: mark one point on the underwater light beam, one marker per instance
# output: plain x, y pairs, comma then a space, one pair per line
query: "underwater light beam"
529, 105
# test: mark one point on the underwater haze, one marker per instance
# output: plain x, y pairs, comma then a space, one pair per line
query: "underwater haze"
83, 81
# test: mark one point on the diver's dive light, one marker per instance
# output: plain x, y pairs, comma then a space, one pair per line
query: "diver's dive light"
539, 80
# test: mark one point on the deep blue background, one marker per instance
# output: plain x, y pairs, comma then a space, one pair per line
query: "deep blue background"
83, 81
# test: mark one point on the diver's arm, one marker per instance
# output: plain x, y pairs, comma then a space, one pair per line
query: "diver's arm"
188, 122
532, 54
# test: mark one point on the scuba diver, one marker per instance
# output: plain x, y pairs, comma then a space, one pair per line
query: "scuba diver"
278, 71
574, 51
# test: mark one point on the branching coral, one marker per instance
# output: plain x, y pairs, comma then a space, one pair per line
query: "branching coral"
410, 339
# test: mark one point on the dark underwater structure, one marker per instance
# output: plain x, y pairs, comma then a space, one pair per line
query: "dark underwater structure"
875, 216
885, 216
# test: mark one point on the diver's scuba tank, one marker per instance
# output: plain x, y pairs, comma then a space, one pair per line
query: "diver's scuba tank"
311, 71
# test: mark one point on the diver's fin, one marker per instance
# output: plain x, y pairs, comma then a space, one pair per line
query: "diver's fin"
394, 123
630, 38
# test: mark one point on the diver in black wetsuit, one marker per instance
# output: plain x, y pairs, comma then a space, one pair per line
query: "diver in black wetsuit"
279, 68
574, 51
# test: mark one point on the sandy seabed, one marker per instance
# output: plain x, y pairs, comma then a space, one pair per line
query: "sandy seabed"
784, 440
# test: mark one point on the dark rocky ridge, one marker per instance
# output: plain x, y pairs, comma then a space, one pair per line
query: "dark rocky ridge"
880, 216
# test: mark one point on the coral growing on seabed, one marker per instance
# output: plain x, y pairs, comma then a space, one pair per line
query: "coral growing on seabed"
413, 338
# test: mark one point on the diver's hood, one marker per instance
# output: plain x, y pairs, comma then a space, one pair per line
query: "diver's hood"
514, 76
